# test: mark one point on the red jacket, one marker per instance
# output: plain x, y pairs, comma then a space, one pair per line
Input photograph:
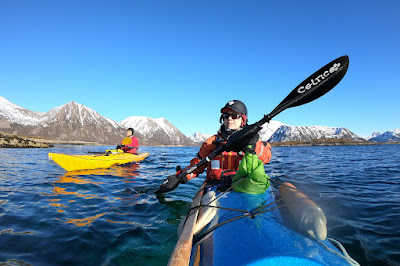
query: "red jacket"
133, 147
225, 161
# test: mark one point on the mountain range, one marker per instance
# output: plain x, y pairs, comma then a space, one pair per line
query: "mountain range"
307, 133
388, 136
76, 122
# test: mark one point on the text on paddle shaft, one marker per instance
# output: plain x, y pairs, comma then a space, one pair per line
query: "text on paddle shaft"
318, 79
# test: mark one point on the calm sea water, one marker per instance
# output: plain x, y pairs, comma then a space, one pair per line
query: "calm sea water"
112, 217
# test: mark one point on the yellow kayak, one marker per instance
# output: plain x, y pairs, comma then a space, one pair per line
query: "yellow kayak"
83, 162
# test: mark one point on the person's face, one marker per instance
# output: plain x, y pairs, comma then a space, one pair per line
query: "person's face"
232, 120
128, 133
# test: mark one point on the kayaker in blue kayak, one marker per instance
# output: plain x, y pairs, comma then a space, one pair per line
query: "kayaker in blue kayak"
233, 118
130, 143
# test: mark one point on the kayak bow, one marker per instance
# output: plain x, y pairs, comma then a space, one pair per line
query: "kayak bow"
252, 229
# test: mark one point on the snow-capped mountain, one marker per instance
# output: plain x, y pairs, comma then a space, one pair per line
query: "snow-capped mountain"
269, 129
373, 135
12, 113
76, 122
69, 122
199, 137
78, 113
388, 136
306, 133
158, 131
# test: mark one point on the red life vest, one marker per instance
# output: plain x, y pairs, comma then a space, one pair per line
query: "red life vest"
224, 164
134, 144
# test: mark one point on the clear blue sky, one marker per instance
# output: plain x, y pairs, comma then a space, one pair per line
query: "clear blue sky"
183, 60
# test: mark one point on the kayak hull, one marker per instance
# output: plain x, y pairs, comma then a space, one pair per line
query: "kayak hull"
264, 239
86, 162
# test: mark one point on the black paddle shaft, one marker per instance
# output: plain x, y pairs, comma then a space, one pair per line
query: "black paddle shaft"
309, 90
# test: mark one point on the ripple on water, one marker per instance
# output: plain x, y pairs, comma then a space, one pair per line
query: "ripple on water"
113, 217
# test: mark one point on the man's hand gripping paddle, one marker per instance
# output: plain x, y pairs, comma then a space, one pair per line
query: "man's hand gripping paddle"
310, 89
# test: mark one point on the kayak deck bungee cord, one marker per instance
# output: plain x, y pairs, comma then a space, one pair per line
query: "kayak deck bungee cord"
259, 234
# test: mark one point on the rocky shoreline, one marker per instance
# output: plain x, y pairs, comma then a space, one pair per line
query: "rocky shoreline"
13, 141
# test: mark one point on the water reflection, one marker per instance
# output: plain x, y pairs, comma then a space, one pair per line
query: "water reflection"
82, 192
127, 171
85, 221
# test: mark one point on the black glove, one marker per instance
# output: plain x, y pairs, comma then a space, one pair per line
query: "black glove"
172, 182
120, 146
251, 145
169, 184
183, 180
239, 140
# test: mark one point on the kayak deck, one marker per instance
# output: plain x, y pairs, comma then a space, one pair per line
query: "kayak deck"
85, 162
256, 239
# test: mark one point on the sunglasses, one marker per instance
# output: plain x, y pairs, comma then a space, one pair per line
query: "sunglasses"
234, 116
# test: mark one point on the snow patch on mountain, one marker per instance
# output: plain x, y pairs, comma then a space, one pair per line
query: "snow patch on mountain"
165, 125
147, 126
74, 121
199, 137
69, 122
73, 111
373, 135
157, 130
308, 133
140, 124
269, 129
17, 114
388, 136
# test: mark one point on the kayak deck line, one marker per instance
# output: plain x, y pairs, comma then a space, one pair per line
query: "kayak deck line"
202, 250
289, 199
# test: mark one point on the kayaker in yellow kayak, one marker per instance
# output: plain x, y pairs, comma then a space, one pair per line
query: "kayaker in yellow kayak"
233, 118
130, 143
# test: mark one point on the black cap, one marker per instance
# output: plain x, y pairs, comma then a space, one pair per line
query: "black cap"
235, 105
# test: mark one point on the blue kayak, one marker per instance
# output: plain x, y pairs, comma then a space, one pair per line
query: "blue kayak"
234, 228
